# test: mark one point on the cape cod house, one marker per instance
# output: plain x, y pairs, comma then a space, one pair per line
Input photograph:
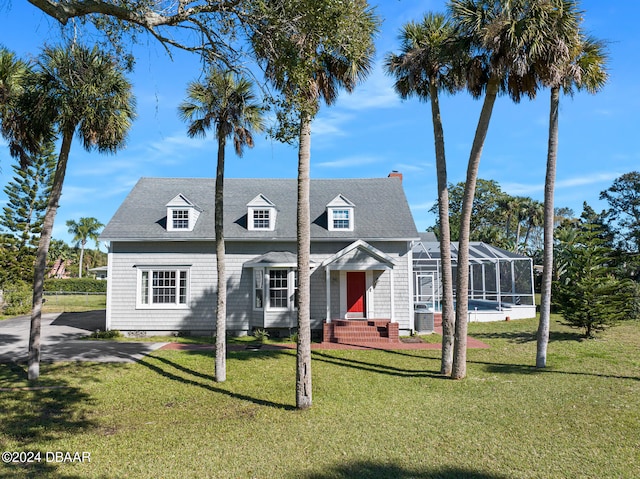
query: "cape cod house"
162, 268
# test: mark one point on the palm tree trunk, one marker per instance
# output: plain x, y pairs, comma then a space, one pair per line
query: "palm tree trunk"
303, 357
41, 257
518, 230
82, 243
462, 289
547, 261
448, 314
221, 303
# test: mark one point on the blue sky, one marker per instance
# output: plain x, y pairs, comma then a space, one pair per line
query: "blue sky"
368, 133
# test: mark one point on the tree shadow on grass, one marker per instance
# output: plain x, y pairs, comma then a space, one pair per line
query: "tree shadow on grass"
192, 378
522, 337
375, 367
373, 470
39, 469
38, 412
522, 369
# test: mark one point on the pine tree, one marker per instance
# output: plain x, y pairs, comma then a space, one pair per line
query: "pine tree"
588, 294
27, 195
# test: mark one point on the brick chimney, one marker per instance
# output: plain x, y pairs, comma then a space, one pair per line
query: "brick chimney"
395, 174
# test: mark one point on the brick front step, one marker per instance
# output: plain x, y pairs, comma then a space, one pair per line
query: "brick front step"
344, 331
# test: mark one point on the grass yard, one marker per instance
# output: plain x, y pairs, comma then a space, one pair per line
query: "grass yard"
73, 303
376, 414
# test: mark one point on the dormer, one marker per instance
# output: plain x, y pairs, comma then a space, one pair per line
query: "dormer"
261, 214
182, 214
340, 214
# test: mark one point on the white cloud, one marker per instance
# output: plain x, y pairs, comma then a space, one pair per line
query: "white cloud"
587, 180
521, 189
348, 162
405, 167
577, 181
176, 144
376, 92
422, 206
330, 124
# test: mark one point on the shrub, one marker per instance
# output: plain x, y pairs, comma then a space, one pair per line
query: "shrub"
261, 335
111, 334
75, 285
18, 299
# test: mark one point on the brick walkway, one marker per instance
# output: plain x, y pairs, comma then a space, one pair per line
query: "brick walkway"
471, 344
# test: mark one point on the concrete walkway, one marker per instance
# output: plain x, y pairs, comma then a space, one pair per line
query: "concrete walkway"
60, 340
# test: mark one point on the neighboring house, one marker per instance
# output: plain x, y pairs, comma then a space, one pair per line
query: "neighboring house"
59, 269
162, 268
99, 272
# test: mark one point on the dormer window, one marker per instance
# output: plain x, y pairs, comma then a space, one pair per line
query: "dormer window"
261, 214
182, 214
261, 219
180, 219
340, 214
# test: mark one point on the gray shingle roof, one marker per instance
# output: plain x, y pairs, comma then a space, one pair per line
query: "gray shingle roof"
381, 210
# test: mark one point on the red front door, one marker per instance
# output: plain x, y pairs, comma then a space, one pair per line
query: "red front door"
356, 290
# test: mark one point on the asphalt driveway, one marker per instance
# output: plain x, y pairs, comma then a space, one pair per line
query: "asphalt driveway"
60, 340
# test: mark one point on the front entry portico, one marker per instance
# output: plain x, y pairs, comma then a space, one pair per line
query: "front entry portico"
359, 283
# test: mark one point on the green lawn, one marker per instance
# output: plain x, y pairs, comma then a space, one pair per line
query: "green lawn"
73, 303
376, 414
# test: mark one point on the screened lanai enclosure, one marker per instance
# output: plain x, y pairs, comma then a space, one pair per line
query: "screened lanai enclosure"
500, 281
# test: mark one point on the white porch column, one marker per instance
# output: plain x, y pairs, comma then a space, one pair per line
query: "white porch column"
393, 296
327, 276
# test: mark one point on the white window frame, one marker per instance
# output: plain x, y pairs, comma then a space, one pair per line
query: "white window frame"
182, 217
262, 286
259, 288
145, 288
251, 218
271, 273
332, 218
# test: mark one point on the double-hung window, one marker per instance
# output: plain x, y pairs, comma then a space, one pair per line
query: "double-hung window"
163, 288
180, 219
278, 289
261, 219
261, 214
340, 213
275, 288
341, 219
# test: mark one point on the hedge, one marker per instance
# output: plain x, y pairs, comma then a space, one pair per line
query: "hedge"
75, 285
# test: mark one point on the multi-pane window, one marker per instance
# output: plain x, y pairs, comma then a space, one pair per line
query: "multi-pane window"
278, 288
259, 288
163, 287
275, 288
341, 219
261, 219
180, 219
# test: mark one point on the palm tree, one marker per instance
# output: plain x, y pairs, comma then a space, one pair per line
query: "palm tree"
226, 101
84, 229
586, 69
504, 33
13, 74
310, 49
535, 217
431, 51
79, 91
